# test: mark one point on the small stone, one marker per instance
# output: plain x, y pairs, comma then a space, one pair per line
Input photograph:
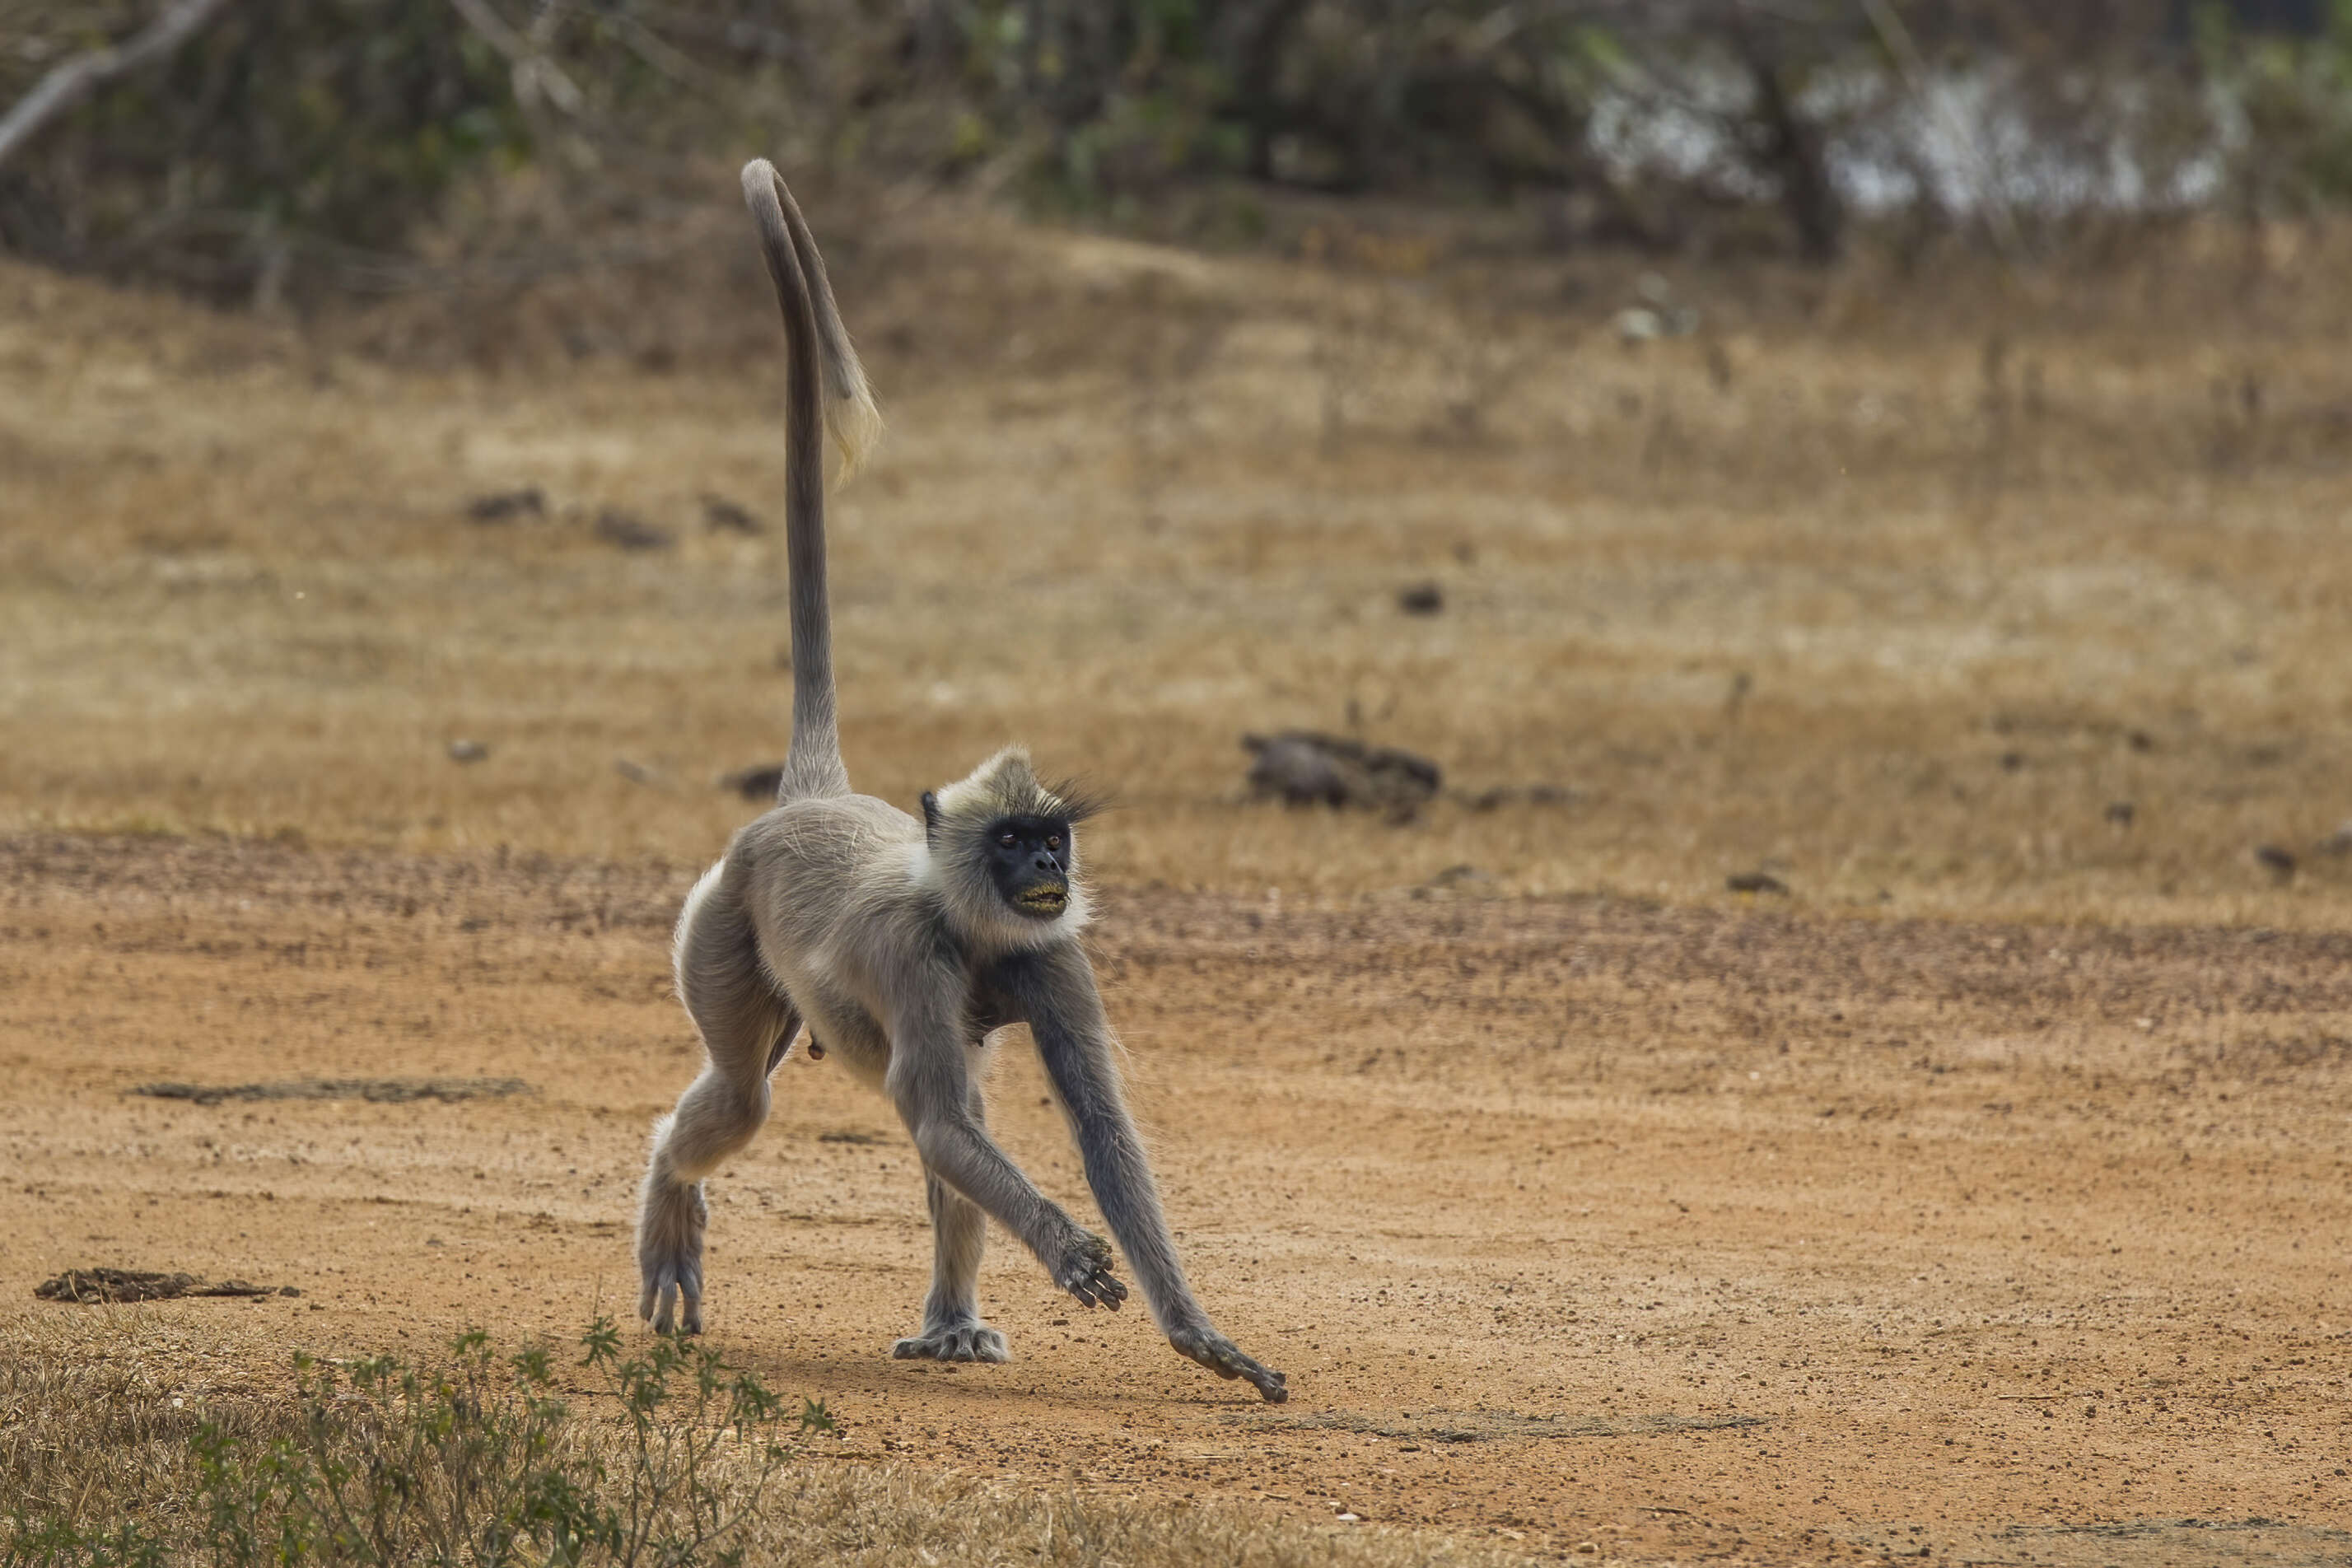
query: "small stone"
631, 532
759, 781
717, 512
2121, 812
1421, 599
2275, 859
1302, 768
503, 506
468, 752
1756, 883
1638, 324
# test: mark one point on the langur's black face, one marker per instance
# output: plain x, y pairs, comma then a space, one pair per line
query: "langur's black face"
1029, 859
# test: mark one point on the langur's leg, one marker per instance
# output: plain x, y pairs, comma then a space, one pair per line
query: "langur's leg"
951, 1327
744, 1025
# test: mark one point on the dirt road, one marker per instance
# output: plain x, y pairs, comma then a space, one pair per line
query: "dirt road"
1681, 1233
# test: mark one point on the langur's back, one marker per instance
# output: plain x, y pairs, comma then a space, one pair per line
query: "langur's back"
824, 859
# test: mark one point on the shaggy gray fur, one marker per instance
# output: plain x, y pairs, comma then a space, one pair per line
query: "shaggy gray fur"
896, 947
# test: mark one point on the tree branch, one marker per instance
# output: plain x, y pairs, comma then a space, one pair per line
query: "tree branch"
85, 74
533, 69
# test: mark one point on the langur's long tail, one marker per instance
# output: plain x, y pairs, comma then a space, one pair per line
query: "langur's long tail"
825, 392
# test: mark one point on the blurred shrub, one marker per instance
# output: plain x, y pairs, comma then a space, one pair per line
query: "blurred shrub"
2287, 110
286, 136
301, 145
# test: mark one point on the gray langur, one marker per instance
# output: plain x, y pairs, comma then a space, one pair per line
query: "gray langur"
902, 944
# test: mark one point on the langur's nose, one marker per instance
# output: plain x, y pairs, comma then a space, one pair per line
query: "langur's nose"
1043, 862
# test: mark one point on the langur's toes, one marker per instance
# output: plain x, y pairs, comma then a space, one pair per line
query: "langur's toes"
960, 1342
1227, 1360
671, 1302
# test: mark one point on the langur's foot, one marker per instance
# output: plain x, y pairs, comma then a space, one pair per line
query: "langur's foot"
1085, 1273
670, 1224
1224, 1358
969, 1340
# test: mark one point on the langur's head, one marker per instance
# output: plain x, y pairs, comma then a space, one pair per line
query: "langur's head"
1004, 848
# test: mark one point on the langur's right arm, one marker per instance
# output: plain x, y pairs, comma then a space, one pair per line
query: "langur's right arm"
929, 1081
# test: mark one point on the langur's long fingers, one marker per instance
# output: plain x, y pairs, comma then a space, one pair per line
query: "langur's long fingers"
1086, 1273
1226, 1359
664, 1294
1105, 1289
1099, 1288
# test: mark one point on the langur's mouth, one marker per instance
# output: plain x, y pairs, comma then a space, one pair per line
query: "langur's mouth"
1045, 898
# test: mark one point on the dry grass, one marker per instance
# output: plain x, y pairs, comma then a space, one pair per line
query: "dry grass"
1895, 610
98, 1416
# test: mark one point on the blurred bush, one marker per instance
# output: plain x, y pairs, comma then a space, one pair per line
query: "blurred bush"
295, 147
287, 129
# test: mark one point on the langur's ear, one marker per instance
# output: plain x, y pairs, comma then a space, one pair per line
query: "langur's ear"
930, 818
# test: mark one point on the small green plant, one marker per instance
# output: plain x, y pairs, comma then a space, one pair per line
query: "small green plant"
56, 1543
474, 1460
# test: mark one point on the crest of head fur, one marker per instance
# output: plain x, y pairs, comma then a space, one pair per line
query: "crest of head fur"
956, 820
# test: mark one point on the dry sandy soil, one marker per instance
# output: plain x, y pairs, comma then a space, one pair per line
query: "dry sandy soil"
1682, 1233
1984, 1198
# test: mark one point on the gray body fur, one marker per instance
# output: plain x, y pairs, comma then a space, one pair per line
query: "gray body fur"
885, 936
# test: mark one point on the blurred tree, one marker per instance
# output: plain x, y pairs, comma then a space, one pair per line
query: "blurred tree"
294, 145
289, 136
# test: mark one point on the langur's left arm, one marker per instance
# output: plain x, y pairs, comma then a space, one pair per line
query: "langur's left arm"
1053, 992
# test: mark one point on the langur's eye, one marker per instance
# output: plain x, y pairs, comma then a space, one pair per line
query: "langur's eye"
1053, 841
1005, 839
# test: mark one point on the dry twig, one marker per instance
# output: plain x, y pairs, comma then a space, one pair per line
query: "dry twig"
532, 68
86, 73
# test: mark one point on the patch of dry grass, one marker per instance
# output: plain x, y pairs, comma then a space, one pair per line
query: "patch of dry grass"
1904, 611
100, 1417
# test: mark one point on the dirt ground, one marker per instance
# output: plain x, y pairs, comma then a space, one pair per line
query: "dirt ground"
1982, 1196
1688, 1233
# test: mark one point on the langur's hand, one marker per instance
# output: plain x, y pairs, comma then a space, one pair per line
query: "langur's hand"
1224, 1358
1086, 1272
